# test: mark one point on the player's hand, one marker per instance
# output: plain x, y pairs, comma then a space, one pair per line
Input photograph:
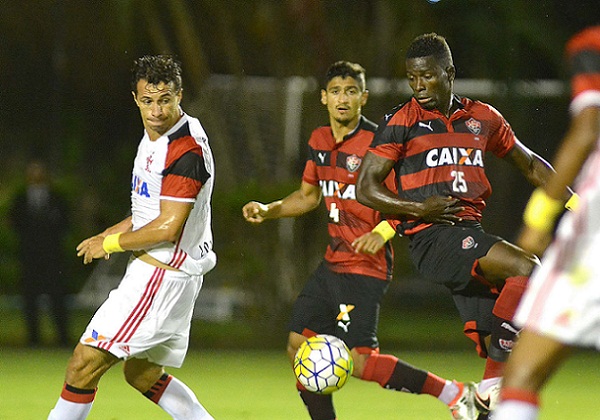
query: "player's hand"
534, 240
369, 243
437, 209
91, 248
255, 212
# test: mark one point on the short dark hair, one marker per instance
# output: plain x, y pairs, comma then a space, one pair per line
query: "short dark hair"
156, 69
345, 69
430, 44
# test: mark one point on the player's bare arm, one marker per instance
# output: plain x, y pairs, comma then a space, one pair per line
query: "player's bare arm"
371, 192
165, 228
573, 152
530, 164
301, 201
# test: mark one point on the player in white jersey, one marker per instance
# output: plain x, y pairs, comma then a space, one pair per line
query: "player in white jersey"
145, 322
561, 308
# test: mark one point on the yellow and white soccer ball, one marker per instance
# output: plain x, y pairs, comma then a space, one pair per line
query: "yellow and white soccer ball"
323, 364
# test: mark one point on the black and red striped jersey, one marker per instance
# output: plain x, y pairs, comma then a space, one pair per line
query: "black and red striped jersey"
437, 155
334, 168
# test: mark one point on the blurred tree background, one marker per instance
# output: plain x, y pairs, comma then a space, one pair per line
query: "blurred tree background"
64, 71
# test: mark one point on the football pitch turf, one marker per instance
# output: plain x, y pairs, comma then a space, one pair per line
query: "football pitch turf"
244, 385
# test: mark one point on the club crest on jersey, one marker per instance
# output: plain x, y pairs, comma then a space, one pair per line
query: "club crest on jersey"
469, 243
474, 126
353, 163
149, 160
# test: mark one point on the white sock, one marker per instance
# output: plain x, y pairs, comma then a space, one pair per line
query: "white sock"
486, 384
449, 392
67, 410
513, 409
180, 402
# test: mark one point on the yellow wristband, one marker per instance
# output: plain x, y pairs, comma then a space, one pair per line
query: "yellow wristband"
572, 203
385, 230
111, 244
541, 211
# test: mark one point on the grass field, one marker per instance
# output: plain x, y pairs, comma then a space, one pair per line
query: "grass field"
252, 385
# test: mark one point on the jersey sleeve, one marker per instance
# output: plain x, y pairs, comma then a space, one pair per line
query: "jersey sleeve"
502, 137
310, 174
183, 179
388, 139
583, 53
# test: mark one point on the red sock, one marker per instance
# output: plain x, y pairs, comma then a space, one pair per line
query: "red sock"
509, 298
158, 388
78, 395
493, 368
519, 395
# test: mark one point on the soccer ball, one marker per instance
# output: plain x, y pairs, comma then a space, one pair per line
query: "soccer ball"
323, 364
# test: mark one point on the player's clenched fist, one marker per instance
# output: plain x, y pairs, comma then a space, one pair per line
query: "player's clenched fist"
255, 212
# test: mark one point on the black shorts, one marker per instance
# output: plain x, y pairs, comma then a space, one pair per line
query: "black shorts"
447, 255
340, 304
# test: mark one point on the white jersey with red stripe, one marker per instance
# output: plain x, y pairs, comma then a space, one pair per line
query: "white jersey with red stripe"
177, 166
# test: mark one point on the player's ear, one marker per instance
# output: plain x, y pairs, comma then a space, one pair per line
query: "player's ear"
135, 98
451, 71
323, 96
364, 97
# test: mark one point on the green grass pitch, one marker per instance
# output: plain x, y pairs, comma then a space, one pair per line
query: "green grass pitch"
247, 385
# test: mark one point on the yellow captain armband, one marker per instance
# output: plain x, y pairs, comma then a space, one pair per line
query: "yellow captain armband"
111, 244
385, 230
542, 211
572, 203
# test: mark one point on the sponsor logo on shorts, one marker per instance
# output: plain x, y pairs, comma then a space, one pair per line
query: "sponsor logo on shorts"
125, 349
95, 337
469, 243
343, 317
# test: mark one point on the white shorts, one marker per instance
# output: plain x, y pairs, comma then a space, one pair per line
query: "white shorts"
563, 296
147, 316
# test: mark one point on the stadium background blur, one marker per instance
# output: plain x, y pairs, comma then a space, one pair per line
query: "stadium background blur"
250, 71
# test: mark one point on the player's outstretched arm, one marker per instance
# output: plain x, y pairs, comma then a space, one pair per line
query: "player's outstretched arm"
301, 201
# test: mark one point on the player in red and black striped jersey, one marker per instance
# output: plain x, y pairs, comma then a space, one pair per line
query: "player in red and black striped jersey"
343, 295
436, 144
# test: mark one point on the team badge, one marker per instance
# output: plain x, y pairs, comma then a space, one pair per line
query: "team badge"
468, 243
353, 163
474, 126
149, 160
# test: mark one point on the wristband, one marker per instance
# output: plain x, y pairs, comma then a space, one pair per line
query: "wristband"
541, 211
385, 230
111, 244
572, 203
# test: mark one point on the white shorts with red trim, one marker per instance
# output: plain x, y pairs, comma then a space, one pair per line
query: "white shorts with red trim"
147, 316
563, 296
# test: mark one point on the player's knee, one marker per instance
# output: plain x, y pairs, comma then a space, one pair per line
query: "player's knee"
360, 360
87, 365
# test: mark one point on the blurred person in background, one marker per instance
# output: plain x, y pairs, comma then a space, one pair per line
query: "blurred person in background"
40, 218
145, 322
343, 295
561, 307
436, 143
